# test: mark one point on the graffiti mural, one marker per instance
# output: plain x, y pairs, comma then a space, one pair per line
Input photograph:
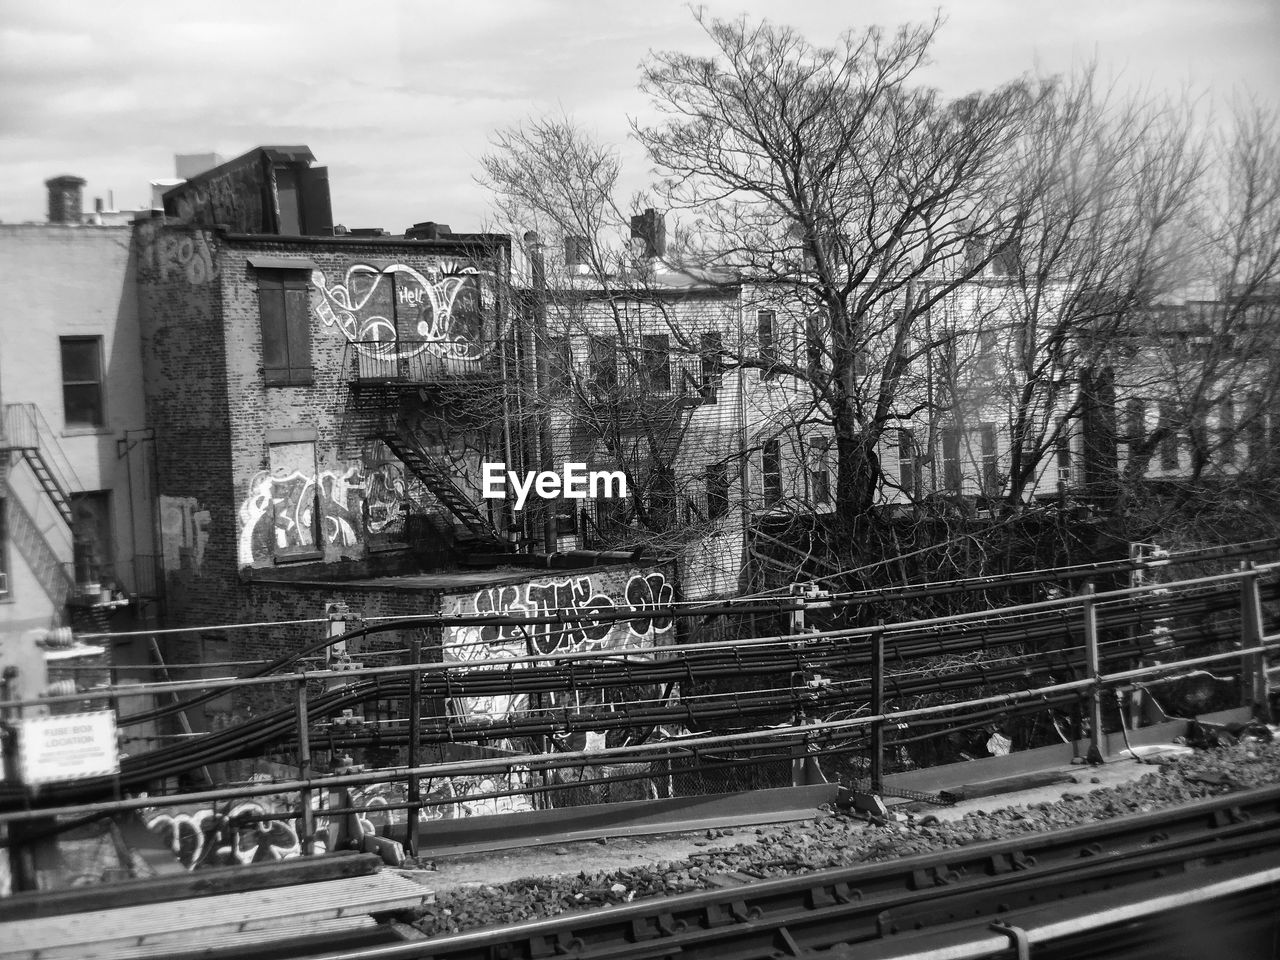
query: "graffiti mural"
184, 533
178, 253
222, 838
449, 310
211, 837
280, 511
637, 594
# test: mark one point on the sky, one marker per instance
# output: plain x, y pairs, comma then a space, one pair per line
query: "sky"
400, 99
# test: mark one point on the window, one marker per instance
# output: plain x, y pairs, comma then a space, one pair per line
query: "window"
1063, 456
717, 480
990, 465
1135, 420
602, 363
816, 327
566, 517
283, 304
712, 362
767, 332
1227, 429
82, 381
559, 370
908, 475
1169, 443
662, 498
655, 362
92, 542
820, 472
295, 501
772, 472
951, 459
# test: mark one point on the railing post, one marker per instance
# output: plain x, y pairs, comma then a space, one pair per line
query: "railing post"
415, 744
1253, 666
1088, 608
877, 708
304, 769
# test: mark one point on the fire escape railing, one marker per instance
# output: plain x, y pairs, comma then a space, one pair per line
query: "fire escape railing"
28, 436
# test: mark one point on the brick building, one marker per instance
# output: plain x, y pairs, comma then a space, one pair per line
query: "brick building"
322, 403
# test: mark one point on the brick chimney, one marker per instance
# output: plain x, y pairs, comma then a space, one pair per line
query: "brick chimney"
66, 199
649, 234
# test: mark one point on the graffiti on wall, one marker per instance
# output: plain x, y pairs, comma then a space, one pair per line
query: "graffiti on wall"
448, 310
280, 511
254, 831
178, 253
184, 533
636, 594
232, 197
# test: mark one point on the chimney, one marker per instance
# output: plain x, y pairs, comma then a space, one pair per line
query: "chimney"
65, 199
651, 231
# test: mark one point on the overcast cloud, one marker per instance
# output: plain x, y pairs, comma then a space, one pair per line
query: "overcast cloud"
399, 100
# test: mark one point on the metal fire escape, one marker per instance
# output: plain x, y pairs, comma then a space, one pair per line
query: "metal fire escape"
392, 392
28, 439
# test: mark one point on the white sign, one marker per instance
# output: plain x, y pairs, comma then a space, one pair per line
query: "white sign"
70, 747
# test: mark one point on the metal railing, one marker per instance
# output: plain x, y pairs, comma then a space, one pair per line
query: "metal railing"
421, 361
27, 432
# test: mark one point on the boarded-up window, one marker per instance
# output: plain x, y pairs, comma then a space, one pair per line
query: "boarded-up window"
283, 304
295, 500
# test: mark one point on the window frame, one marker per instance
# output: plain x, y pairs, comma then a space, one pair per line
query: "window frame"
294, 332
655, 362
715, 477
99, 384
767, 341
771, 472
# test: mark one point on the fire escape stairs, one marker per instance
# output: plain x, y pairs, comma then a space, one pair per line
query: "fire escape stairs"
435, 477
35, 549
60, 498
28, 437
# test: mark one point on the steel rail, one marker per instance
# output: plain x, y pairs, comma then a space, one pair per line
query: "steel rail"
827, 906
670, 749
279, 727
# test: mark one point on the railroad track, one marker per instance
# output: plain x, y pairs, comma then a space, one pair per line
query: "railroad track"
894, 909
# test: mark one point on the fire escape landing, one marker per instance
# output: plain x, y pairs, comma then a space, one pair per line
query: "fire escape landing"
395, 390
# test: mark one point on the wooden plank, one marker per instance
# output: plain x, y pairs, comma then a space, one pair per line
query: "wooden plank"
86, 935
335, 934
990, 788
200, 883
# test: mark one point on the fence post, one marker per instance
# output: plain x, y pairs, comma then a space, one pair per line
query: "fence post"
415, 743
1090, 612
304, 768
1253, 666
877, 708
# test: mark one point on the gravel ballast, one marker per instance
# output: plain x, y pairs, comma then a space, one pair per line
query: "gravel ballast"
839, 840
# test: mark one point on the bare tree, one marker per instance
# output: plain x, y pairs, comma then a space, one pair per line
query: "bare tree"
823, 174
1213, 384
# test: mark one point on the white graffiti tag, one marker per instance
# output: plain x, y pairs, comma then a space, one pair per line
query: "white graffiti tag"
279, 512
397, 311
